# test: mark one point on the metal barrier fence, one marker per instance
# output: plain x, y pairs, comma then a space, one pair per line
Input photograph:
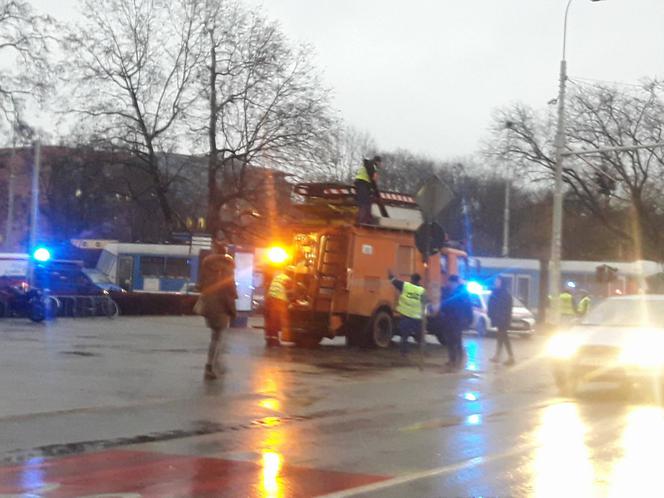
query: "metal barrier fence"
86, 306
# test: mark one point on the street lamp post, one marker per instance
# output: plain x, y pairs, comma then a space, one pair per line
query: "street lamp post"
506, 215
34, 208
557, 228
9, 226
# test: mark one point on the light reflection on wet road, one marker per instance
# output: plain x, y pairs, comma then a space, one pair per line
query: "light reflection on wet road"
333, 422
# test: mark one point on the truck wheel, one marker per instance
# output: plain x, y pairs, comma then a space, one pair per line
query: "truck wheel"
307, 341
382, 329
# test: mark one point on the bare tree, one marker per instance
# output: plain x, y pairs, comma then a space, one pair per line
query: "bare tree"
265, 104
598, 116
25, 39
342, 154
132, 65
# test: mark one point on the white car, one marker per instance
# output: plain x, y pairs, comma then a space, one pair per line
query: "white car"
622, 339
523, 321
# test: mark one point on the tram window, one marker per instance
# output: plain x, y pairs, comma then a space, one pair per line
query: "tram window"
177, 268
152, 266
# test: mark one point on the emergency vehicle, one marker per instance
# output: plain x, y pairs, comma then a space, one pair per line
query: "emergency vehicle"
339, 268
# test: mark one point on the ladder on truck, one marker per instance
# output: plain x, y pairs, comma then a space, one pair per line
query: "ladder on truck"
331, 266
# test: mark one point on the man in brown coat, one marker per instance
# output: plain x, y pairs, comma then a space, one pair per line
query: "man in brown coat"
218, 295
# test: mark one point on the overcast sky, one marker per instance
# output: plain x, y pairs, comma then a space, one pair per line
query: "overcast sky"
426, 74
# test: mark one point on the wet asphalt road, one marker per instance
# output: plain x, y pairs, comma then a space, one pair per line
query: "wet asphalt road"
99, 406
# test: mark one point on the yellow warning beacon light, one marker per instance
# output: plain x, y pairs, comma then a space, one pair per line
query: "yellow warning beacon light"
277, 255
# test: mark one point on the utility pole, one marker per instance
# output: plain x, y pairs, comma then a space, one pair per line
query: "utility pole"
34, 200
557, 227
34, 208
506, 219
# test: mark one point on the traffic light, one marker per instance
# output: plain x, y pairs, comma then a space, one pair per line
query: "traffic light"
606, 184
600, 273
605, 273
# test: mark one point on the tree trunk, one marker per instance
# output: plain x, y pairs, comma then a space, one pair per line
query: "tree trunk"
213, 190
160, 191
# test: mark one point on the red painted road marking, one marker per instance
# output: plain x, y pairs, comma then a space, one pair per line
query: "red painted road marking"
159, 475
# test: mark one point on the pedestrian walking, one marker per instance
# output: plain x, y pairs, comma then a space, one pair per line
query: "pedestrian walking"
409, 307
217, 301
500, 314
456, 309
366, 188
276, 307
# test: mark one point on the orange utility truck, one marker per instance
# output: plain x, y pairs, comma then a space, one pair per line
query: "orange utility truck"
340, 267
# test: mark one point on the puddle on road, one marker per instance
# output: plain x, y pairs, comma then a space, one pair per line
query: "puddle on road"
78, 353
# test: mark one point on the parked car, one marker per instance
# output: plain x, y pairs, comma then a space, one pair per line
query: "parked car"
620, 340
102, 281
65, 279
523, 321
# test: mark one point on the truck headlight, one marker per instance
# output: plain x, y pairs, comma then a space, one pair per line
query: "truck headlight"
562, 346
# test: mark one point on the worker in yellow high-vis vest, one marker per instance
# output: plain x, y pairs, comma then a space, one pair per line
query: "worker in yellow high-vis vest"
567, 307
276, 308
584, 304
366, 187
409, 307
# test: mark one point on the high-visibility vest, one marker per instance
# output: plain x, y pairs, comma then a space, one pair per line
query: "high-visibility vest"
584, 305
410, 301
567, 304
363, 174
277, 288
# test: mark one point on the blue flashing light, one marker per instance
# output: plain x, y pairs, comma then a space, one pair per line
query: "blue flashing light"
571, 284
41, 254
474, 419
475, 287
470, 396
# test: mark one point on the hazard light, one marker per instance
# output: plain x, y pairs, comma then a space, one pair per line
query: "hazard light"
277, 255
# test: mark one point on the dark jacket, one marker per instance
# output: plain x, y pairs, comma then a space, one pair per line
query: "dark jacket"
500, 308
217, 285
456, 309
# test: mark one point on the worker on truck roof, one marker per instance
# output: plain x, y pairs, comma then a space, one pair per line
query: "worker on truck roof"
366, 187
409, 307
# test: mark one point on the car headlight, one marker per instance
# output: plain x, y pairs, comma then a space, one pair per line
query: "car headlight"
645, 351
562, 346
